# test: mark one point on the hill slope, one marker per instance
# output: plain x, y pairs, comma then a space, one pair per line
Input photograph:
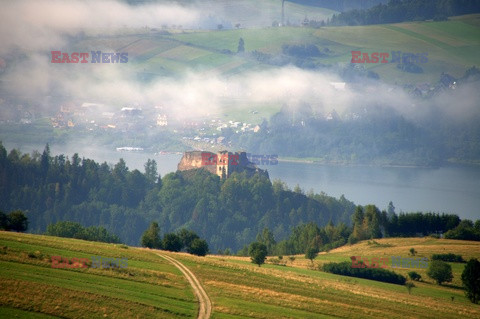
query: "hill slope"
452, 47
151, 287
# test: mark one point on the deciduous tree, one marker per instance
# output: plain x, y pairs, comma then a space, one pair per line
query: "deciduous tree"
440, 271
258, 253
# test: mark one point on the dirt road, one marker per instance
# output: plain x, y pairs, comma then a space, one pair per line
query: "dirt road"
205, 308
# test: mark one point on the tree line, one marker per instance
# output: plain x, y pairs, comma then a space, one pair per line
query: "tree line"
183, 239
227, 213
368, 222
76, 230
396, 11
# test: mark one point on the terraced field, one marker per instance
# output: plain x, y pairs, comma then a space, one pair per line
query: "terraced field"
151, 287
452, 47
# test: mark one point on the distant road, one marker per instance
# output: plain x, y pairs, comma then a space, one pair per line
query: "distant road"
205, 309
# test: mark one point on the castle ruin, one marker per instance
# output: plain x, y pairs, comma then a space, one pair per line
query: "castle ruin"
222, 164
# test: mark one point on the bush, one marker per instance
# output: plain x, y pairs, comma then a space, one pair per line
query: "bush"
414, 276
449, 257
17, 221
311, 254
409, 286
172, 242
198, 247
345, 269
440, 271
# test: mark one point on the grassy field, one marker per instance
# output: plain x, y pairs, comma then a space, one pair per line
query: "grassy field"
150, 287
452, 47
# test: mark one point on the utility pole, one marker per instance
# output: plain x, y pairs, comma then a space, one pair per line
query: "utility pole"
283, 13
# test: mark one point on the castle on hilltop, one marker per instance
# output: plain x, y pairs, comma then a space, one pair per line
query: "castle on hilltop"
222, 164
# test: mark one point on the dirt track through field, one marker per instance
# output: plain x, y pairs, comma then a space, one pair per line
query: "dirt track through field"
205, 309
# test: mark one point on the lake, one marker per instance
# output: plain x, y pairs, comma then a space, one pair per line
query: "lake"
451, 189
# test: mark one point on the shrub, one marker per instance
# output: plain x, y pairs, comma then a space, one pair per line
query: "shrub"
311, 254
345, 269
409, 286
274, 261
414, 276
440, 271
198, 247
449, 258
172, 242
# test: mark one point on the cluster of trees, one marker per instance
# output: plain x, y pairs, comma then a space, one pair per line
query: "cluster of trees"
369, 222
465, 230
410, 67
448, 257
228, 213
396, 11
378, 274
301, 56
438, 270
302, 51
15, 220
69, 229
340, 5
183, 239
304, 237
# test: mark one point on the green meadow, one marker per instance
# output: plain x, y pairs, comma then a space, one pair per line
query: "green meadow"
452, 47
150, 287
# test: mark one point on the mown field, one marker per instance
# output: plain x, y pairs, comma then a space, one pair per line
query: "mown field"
150, 287
298, 290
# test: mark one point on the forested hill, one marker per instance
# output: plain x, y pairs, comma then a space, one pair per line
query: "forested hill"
228, 213
396, 11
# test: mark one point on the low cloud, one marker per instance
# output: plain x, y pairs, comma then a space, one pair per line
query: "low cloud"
38, 27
